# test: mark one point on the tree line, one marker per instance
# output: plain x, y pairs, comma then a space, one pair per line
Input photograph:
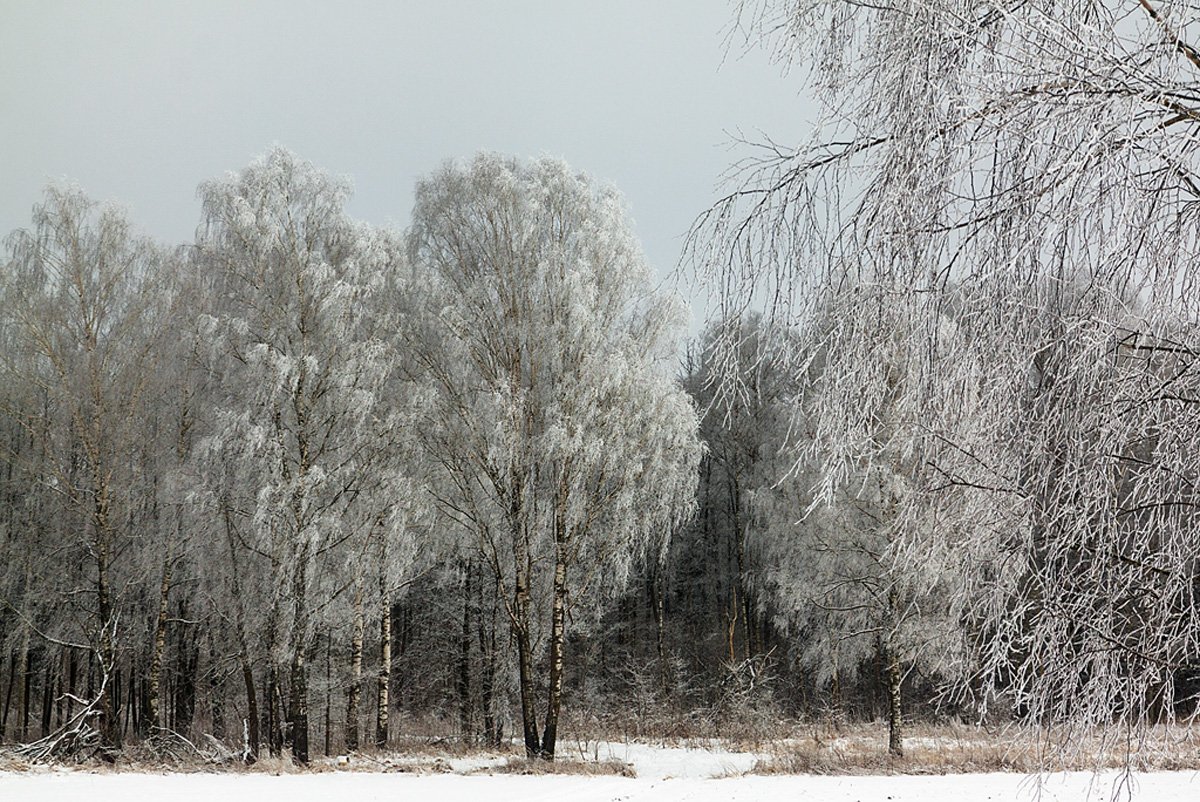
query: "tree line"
303, 476
222, 459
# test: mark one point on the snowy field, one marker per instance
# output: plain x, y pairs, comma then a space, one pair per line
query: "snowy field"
361, 787
695, 775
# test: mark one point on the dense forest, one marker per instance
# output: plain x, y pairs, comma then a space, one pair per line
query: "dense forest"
306, 485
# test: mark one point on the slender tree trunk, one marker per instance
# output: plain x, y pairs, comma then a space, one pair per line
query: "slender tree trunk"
60, 696
464, 659
132, 710
518, 613
297, 712
274, 727
487, 650
526, 680
21, 675
739, 603
894, 678
731, 626
298, 703
187, 675
118, 699
154, 709
274, 700
384, 679
895, 719
251, 724
110, 733
558, 630
525, 675
356, 666
216, 690
835, 689
26, 695
72, 678
385, 668
8, 694
298, 677
751, 647
252, 734
660, 625
47, 694
328, 689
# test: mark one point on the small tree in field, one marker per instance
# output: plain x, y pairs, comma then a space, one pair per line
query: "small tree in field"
568, 452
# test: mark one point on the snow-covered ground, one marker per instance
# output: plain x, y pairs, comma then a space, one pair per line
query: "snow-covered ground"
361, 787
664, 773
666, 763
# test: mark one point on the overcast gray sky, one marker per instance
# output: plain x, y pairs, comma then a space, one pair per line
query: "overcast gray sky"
138, 102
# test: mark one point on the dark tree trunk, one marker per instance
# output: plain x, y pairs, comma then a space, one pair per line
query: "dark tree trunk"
298, 707
47, 695
464, 659
8, 694
132, 713
251, 731
487, 671
216, 690
118, 699
60, 696
356, 667
525, 677
328, 689
748, 629
26, 693
298, 675
184, 707
20, 676
72, 678
660, 629
274, 701
274, 727
110, 733
519, 620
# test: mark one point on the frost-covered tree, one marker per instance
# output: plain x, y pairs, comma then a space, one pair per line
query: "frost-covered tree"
567, 451
835, 527
299, 460
83, 331
1026, 172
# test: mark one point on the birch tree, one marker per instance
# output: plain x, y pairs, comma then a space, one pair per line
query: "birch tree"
567, 451
1027, 171
304, 426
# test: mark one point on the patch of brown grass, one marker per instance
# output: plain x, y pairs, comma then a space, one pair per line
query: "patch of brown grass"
591, 768
959, 749
14, 763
